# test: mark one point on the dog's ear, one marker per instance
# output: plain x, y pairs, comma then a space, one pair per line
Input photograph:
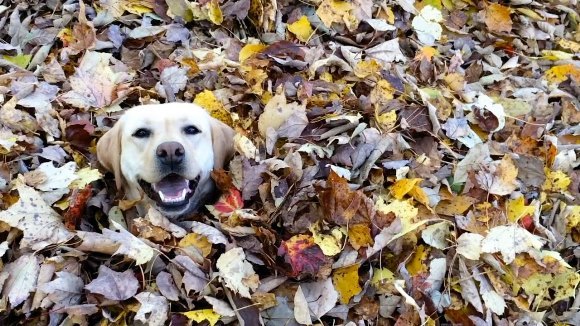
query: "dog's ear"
109, 152
222, 137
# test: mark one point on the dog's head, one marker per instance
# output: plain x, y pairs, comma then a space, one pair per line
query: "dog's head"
166, 152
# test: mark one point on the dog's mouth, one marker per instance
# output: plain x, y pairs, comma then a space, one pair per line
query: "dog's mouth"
173, 191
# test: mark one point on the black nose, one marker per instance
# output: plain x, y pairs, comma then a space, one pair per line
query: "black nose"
170, 153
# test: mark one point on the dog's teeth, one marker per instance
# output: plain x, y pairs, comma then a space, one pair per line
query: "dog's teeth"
161, 195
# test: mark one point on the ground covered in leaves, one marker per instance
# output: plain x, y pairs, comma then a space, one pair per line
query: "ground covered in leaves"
398, 162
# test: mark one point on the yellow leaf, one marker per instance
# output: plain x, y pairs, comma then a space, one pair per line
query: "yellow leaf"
198, 241
62, 204
256, 78
435, 3
426, 53
381, 276
85, 176
249, 50
564, 285
381, 94
301, 28
416, 264
401, 208
367, 68
455, 206
556, 181
191, 64
573, 218
203, 314
558, 74
346, 282
359, 235
387, 120
530, 13
556, 55
329, 244
21, 60
215, 13
336, 11
215, 108
137, 7
419, 194
455, 81
497, 18
569, 45
516, 209
403, 186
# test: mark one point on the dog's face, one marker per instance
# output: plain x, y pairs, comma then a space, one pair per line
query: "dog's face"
166, 153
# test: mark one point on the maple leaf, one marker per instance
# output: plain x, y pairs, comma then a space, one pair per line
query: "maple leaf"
228, 203
41, 225
114, 285
343, 206
237, 273
94, 84
303, 255
153, 309
497, 18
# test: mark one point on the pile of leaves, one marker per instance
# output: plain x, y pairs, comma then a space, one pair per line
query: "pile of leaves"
397, 162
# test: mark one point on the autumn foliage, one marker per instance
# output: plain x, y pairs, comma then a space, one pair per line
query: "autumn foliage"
397, 162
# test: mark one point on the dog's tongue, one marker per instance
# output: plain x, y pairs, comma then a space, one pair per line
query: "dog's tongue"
172, 188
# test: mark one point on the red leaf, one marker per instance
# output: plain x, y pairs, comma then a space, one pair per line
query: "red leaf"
229, 202
303, 255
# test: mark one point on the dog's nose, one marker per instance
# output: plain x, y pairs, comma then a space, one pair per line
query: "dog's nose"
170, 153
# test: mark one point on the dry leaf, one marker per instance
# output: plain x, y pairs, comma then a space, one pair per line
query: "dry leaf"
114, 285
237, 273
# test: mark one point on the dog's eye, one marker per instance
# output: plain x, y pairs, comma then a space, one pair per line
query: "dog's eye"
191, 130
142, 133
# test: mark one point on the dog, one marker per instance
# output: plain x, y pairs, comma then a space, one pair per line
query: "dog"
164, 154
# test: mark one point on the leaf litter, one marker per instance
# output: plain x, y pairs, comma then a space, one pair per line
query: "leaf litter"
407, 162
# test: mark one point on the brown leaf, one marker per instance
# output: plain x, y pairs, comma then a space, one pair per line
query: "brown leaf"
343, 206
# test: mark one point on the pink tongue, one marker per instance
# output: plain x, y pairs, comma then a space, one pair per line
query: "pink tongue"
171, 186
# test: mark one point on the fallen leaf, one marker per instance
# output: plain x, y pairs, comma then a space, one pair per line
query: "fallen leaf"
20, 278
497, 18
41, 225
237, 273
202, 315
197, 241
320, 296
516, 209
301, 311
129, 244
426, 25
213, 106
114, 285
220, 307
469, 245
94, 83
509, 241
153, 309
437, 235
346, 282
64, 291
303, 255
167, 286
336, 11
560, 73
301, 28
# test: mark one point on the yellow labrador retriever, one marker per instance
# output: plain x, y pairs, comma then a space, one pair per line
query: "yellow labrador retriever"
164, 153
